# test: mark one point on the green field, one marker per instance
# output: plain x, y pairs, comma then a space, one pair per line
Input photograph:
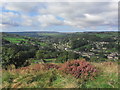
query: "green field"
106, 35
49, 34
14, 39
42, 43
50, 60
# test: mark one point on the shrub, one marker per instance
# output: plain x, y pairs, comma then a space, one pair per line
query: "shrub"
79, 69
50, 66
37, 67
6, 76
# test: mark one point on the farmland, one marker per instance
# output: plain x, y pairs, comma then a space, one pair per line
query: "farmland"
15, 40
22, 40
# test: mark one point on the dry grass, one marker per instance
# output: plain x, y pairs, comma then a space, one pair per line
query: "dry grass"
108, 76
35, 76
0, 78
107, 67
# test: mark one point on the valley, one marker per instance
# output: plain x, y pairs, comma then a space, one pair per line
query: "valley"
34, 54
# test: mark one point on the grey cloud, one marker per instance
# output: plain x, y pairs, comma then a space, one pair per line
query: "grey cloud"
84, 14
81, 14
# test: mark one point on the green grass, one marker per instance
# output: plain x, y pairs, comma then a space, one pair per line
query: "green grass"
42, 79
104, 81
108, 77
52, 60
49, 34
106, 35
15, 40
19, 39
42, 44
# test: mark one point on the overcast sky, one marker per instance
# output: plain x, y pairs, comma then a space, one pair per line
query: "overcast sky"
56, 16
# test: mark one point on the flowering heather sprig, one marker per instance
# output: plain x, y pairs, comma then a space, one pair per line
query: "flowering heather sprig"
50, 66
79, 69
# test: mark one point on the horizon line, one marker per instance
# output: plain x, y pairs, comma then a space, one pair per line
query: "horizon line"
56, 31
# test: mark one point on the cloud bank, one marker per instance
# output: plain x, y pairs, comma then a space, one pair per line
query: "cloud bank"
81, 15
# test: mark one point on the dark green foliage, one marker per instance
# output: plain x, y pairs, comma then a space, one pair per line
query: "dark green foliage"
60, 46
7, 56
40, 54
65, 56
11, 56
78, 43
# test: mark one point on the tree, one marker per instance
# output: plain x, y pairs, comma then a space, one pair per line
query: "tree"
20, 59
63, 57
72, 55
12, 56
40, 54
7, 56
78, 43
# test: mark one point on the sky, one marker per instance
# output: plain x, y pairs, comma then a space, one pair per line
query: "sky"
59, 16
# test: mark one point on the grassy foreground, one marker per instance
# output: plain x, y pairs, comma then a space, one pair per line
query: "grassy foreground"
38, 78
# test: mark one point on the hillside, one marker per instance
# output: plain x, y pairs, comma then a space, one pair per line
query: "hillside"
60, 60
35, 77
37, 34
89, 45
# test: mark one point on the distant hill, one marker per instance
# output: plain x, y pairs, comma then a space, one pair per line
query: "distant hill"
37, 34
